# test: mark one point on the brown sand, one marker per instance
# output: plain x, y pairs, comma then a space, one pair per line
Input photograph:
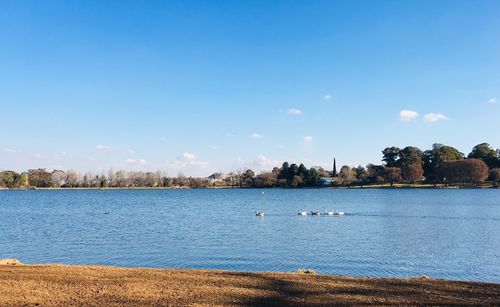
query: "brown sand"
61, 285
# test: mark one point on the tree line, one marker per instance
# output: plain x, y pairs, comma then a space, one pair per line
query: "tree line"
440, 165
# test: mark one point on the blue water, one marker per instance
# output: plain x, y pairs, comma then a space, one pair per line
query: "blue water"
452, 234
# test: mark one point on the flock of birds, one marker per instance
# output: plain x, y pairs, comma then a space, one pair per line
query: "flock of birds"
304, 213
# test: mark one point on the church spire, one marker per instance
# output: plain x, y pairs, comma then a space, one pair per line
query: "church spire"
334, 173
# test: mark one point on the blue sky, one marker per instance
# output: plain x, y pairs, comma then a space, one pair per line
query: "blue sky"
203, 86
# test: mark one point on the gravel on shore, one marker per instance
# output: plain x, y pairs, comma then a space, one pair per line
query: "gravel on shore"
63, 285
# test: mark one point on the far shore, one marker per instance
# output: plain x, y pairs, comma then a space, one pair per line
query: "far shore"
354, 187
63, 285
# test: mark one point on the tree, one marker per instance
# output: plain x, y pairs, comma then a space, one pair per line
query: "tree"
11, 180
72, 178
313, 177
302, 172
375, 173
484, 152
22, 181
391, 156
39, 178
413, 173
248, 177
58, 178
296, 181
392, 175
346, 175
167, 182
495, 175
361, 175
284, 172
466, 171
321, 171
410, 155
293, 171
410, 160
432, 159
102, 181
266, 179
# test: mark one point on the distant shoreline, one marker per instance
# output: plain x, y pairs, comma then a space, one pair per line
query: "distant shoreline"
59, 285
381, 187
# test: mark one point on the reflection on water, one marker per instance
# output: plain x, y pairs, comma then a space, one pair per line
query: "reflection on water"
442, 233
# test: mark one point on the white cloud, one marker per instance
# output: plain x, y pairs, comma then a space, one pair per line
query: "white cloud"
492, 100
407, 115
308, 139
187, 156
190, 163
229, 135
327, 97
101, 147
130, 151
255, 136
136, 162
264, 163
294, 111
10, 150
279, 146
261, 163
434, 117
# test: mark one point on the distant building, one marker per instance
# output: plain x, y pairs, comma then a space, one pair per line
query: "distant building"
326, 181
217, 177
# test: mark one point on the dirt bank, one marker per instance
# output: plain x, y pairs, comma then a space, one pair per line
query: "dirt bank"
59, 285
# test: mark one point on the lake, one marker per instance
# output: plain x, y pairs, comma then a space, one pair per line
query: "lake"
452, 234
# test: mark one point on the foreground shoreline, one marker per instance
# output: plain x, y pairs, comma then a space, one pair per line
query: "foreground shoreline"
57, 285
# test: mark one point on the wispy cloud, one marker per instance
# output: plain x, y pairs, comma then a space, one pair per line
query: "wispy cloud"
264, 162
294, 111
308, 139
327, 97
261, 163
188, 161
407, 115
255, 136
492, 101
434, 117
101, 147
10, 150
41, 156
187, 156
130, 151
229, 135
136, 162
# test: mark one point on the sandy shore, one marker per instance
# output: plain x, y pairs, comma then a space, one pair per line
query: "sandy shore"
61, 285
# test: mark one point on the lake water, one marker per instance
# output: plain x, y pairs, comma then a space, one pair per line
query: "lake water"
452, 234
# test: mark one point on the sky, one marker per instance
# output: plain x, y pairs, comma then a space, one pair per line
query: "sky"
196, 87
